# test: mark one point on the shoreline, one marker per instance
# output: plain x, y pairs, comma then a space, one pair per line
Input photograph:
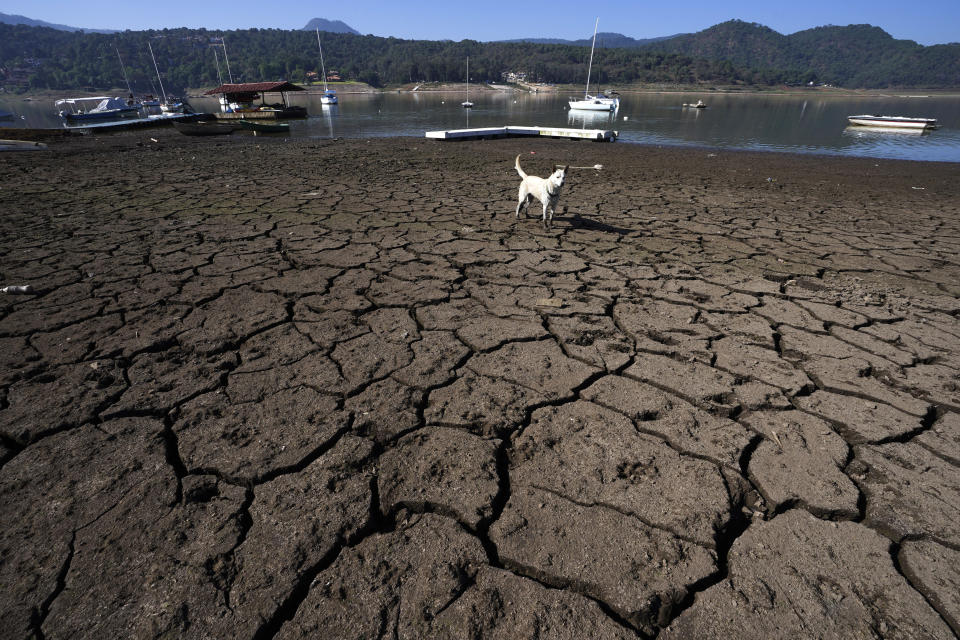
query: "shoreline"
820, 92
12, 133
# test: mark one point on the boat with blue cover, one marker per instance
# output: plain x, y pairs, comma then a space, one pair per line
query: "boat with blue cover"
76, 111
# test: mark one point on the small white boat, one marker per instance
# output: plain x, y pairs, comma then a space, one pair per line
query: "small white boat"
169, 105
897, 122
699, 104
329, 95
21, 145
173, 106
598, 102
466, 104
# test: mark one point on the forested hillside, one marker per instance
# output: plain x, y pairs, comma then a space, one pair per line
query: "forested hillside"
44, 58
731, 53
852, 56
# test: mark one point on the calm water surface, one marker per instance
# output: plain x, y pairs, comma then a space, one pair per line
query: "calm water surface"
795, 124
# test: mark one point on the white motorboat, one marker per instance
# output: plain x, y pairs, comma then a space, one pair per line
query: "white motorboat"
896, 122
76, 111
329, 95
599, 102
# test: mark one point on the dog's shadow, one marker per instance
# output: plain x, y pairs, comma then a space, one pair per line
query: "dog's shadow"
579, 222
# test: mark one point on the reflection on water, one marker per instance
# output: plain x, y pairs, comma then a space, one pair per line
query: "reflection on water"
796, 123
591, 119
865, 133
329, 114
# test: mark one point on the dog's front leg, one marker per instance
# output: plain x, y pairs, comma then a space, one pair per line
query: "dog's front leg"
545, 225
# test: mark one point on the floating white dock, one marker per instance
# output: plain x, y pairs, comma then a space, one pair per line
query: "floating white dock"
600, 135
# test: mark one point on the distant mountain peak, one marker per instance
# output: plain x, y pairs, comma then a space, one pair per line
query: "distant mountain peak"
333, 26
6, 18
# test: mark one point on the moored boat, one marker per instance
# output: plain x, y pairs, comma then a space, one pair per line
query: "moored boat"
205, 128
329, 95
264, 127
21, 145
76, 111
174, 106
599, 102
899, 122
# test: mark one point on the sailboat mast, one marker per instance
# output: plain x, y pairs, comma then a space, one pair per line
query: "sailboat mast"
159, 79
124, 70
216, 59
223, 41
323, 69
468, 78
586, 91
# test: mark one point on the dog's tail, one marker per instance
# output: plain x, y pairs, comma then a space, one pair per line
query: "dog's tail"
519, 170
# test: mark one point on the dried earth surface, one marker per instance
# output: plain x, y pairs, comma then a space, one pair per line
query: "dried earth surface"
333, 388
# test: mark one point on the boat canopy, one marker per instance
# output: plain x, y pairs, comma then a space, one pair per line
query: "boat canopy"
103, 103
254, 88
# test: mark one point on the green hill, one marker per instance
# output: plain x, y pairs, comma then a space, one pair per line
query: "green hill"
41, 58
853, 56
731, 53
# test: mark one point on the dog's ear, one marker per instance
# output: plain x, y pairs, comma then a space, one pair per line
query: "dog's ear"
557, 167
565, 167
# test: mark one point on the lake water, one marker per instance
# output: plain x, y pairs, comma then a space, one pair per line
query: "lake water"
790, 123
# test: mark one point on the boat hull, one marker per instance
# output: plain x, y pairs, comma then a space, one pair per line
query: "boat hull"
893, 122
101, 116
593, 105
204, 128
264, 127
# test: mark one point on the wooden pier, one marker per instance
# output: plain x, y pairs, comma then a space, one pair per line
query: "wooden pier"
599, 135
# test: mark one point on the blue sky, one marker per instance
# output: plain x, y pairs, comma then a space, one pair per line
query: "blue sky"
928, 22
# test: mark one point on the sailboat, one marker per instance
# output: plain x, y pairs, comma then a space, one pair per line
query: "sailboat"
329, 95
598, 102
466, 104
167, 106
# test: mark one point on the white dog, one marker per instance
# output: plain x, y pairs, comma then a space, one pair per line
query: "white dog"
546, 190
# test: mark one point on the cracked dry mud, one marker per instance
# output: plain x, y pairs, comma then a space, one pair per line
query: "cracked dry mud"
274, 389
